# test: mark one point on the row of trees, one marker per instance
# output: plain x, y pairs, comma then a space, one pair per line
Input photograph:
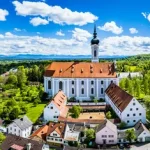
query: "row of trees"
137, 85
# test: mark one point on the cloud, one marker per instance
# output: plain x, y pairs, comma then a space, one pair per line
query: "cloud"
81, 35
55, 13
112, 27
133, 30
3, 14
60, 33
146, 16
17, 29
11, 44
38, 21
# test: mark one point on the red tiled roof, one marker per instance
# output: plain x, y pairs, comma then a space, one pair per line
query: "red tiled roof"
40, 133
60, 102
80, 70
118, 96
58, 127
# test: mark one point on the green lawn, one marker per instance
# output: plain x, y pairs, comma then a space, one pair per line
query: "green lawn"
35, 112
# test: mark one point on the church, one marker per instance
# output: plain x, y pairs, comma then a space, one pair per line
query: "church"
81, 79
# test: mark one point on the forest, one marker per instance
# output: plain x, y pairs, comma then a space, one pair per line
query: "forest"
21, 92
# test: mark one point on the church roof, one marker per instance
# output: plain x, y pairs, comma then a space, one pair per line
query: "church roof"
118, 96
81, 70
95, 40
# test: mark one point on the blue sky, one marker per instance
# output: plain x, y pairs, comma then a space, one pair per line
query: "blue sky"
66, 26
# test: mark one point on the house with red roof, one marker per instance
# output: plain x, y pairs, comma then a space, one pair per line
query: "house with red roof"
57, 107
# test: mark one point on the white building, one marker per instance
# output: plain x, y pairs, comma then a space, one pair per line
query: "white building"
81, 79
57, 107
55, 134
106, 133
142, 133
21, 127
128, 109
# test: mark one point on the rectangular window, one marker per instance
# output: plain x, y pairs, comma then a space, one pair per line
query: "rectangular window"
130, 109
72, 82
72, 90
133, 103
111, 136
82, 82
133, 114
137, 109
127, 115
102, 82
82, 90
134, 120
92, 82
111, 141
51, 107
102, 90
128, 121
104, 136
54, 134
49, 84
140, 114
92, 90
56, 139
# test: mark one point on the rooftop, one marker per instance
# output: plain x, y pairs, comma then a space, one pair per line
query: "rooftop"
23, 122
58, 127
81, 70
118, 96
13, 141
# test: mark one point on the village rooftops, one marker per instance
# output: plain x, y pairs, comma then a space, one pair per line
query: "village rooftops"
58, 127
81, 70
23, 122
19, 143
40, 134
118, 96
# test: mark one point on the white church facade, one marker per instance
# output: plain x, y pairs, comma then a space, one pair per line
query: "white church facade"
81, 79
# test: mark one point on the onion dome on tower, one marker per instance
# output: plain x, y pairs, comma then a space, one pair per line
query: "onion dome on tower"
95, 40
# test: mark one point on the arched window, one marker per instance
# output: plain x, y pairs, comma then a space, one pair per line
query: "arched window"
49, 84
95, 53
60, 85
82, 90
72, 82
102, 90
72, 90
92, 90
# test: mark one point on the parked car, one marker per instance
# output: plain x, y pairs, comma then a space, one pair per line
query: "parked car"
127, 145
121, 146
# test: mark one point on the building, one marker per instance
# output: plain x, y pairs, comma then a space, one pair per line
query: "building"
106, 133
72, 132
55, 134
40, 134
57, 107
142, 133
128, 109
21, 127
81, 79
122, 75
13, 142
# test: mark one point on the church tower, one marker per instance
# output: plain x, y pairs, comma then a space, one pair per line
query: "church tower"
95, 47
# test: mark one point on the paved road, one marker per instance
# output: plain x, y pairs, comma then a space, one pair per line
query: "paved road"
140, 146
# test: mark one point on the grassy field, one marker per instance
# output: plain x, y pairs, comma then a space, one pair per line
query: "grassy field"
35, 112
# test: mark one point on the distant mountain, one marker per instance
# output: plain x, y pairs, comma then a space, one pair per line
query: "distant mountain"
54, 57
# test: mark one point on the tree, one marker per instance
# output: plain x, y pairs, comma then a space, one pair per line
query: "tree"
108, 115
130, 135
12, 79
147, 105
75, 111
122, 125
90, 134
14, 113
21, 76
2, 137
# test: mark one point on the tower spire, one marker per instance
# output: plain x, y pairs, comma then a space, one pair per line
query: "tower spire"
95, 33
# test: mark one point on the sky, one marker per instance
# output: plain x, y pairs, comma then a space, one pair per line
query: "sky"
65, 27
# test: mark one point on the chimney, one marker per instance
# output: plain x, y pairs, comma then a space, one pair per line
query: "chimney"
29, 146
